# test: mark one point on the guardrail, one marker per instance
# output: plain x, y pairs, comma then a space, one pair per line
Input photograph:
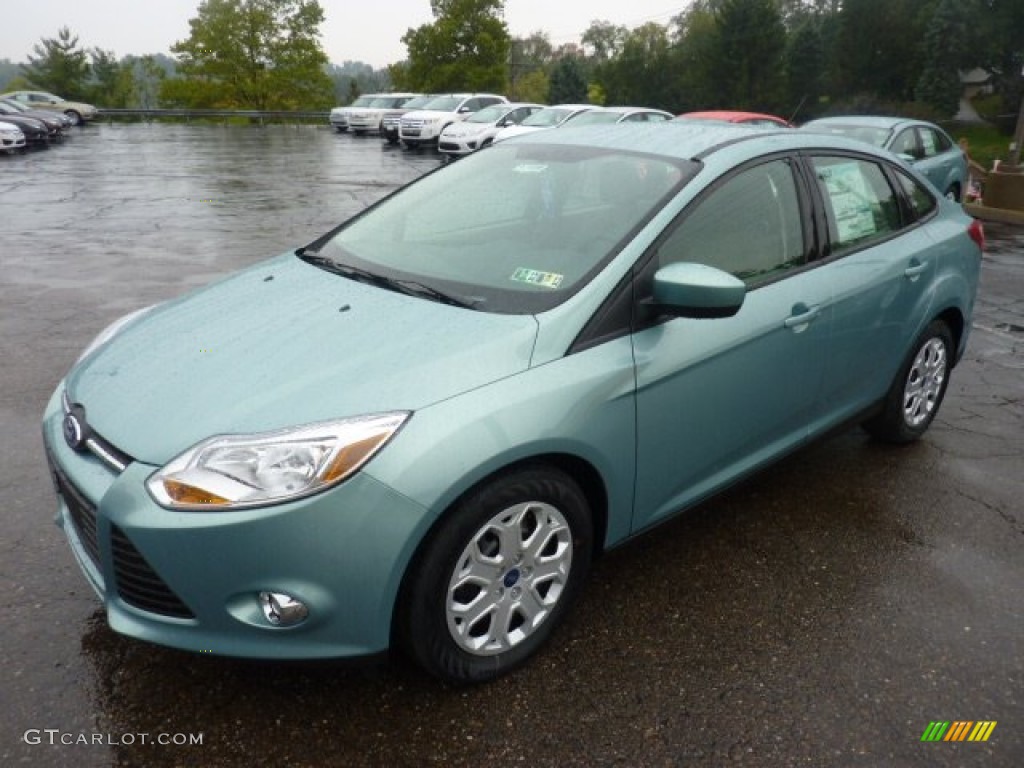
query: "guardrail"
253, 115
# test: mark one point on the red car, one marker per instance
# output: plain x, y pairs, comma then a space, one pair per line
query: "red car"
747, 118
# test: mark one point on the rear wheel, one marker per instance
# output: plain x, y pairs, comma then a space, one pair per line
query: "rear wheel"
497, 575
916, 393
74, 117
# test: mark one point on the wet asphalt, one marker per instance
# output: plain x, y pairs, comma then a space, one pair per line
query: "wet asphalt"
822, 613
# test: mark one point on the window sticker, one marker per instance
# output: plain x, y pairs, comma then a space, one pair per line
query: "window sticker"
852, 200
928, 139
537, 277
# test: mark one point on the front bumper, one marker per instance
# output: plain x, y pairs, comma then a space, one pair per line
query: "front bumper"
192, 580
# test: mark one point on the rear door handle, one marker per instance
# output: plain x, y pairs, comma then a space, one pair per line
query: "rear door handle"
915, 270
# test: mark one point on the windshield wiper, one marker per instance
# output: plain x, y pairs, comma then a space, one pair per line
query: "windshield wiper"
408, 287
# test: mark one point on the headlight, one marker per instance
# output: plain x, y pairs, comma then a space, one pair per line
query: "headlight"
111, 331
232, 471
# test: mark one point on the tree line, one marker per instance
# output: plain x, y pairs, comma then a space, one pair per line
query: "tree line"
797, 58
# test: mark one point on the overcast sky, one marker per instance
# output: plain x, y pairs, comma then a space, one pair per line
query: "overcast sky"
358, 30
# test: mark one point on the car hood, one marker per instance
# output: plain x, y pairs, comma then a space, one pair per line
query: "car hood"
426, 114
460, 130
519, 130
282, 344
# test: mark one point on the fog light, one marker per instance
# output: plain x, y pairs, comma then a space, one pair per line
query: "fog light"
282, 610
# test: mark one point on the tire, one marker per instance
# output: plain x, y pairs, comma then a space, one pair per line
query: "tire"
917, 391
76, 119
497, 575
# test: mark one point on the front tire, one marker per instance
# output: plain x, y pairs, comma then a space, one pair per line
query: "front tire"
497, 575
917, 392
74, 117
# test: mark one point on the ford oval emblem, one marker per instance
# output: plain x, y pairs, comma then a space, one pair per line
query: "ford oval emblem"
74, 435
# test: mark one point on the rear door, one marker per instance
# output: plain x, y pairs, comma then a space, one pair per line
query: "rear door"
880, 265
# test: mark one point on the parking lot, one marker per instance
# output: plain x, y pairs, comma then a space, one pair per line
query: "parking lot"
822, 613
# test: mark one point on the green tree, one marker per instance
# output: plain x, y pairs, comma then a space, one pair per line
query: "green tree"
113, 81
805, 63
946, 53
568, 83
875, 50
465, 48
603, 40
252, 54
641, 73
528, 57
747, 53
695, 84
59, 65
534, 86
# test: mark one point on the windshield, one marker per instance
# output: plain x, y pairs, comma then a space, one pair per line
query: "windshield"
865, 133
595, 117
516, 229
546, 118
362, 101
490, 114
419, 102
444, 103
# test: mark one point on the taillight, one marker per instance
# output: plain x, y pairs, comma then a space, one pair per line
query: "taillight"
977, 233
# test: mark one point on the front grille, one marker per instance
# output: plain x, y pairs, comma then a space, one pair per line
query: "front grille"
449, 146
412, 123
137, 582
82, 513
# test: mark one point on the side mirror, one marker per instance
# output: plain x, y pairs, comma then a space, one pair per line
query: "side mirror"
907, 158
464, 110
685, 289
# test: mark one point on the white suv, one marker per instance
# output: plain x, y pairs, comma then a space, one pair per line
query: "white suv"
339, 115
424, 126
367, 119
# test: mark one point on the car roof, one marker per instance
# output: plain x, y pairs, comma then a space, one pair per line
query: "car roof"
868, 121
730, 115
694, 139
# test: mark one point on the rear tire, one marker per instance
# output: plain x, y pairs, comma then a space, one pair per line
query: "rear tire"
918, 389
497, 575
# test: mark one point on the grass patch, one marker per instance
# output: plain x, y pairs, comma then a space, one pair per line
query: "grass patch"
985, 142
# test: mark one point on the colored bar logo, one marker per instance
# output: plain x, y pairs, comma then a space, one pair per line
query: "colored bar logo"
958, 730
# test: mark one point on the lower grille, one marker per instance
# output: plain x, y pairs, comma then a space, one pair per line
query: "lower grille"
137, 582
82, 513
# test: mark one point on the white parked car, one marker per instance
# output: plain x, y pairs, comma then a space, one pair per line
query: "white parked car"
339, 115
424, 126
478, 130
390, 122
622, 115
11, 137
549, 117
367, 119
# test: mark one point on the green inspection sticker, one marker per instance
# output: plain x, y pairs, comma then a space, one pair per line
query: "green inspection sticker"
537, 277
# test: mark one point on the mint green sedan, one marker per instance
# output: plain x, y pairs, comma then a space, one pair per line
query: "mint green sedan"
419, 430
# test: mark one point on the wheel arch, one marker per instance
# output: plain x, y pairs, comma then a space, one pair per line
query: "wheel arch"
954, 320
586, 476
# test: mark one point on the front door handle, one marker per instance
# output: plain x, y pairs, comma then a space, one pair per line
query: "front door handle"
802, 317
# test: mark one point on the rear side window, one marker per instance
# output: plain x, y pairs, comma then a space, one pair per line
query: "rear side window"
750, 226
934, 142
860, 205
920, 200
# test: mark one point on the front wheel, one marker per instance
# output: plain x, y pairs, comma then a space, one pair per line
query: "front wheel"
74, 117
916, 393
497, 575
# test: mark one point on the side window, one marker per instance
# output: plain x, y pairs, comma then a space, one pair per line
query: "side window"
469, 105
859, 203
638, 117
906, 144
921, 201
934, 142
750, 226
